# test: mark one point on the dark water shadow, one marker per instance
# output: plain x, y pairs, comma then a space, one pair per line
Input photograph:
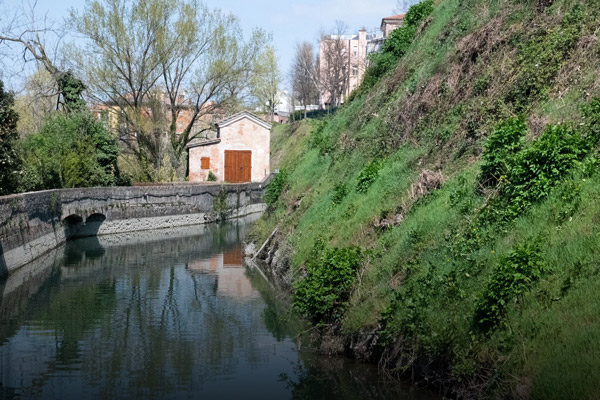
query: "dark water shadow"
76, 227
3, 266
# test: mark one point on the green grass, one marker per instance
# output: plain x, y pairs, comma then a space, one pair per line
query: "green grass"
420, 281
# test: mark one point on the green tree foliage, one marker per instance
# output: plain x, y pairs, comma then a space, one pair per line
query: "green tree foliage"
167, 57
10, 162
38, 98
71, 150
71, 90
331, 272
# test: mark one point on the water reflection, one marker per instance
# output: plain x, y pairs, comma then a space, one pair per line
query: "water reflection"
169, 314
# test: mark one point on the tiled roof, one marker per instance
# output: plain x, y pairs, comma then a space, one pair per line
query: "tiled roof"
399, 16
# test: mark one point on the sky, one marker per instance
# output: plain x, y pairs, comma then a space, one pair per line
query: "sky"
288, 22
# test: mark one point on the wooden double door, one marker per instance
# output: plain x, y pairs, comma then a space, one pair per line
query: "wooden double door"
238, 166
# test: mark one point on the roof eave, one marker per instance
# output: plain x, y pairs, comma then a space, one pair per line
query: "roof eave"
205, 143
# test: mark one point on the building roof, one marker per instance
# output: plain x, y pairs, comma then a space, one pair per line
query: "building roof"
241, 115
399, 16
394, 19
203, 143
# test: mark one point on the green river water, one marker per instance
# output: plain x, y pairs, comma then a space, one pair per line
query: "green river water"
162, 315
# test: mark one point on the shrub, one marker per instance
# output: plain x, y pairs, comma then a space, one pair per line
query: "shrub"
591, 114
418, 12
367, 176
399, 41
339, 192
540, 167
211, 177
319, 138
406, 312
532, 172
275, 188
513, 276
500, 148
462, 196
71, 150
313, 114
331, 272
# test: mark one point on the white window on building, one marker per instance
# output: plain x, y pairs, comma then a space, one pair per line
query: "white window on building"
355, 51
354, 71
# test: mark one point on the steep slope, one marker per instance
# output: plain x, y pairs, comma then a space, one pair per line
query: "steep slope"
445, 222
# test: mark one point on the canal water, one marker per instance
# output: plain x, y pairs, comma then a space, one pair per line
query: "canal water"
162, 315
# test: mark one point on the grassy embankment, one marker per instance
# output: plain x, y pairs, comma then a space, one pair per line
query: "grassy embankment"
452, 208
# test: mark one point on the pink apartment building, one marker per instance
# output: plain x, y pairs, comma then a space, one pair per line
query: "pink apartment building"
355, 50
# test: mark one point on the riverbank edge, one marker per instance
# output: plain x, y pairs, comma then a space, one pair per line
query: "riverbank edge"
273, 261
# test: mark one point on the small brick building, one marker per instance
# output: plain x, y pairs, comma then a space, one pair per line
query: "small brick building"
239, 153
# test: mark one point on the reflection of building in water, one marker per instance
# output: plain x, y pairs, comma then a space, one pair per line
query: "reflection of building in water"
231, 274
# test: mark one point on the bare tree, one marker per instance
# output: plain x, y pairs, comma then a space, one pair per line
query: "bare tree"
304, 76
402, 6
265, 81
140, 57
201, 50
38, 41
38, 98
334, 65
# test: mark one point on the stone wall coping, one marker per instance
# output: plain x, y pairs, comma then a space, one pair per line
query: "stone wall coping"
126, 192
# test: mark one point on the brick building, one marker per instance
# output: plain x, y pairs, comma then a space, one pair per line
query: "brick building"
240, 152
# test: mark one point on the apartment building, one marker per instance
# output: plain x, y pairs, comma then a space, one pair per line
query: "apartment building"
343, 60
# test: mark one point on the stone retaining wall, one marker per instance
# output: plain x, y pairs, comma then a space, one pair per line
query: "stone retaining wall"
32, 224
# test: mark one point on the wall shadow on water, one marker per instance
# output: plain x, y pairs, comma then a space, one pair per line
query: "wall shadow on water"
88, 247
3, 266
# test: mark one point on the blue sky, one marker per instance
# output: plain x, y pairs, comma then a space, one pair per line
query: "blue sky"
289, 22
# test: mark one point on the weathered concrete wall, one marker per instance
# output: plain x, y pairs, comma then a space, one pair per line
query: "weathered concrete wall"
31, 224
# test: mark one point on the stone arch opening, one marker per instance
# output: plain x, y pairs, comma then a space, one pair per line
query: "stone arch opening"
73, 219
72, 224
76, 226
94, 218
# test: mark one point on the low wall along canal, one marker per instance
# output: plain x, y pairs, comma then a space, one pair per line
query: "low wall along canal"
31, 224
